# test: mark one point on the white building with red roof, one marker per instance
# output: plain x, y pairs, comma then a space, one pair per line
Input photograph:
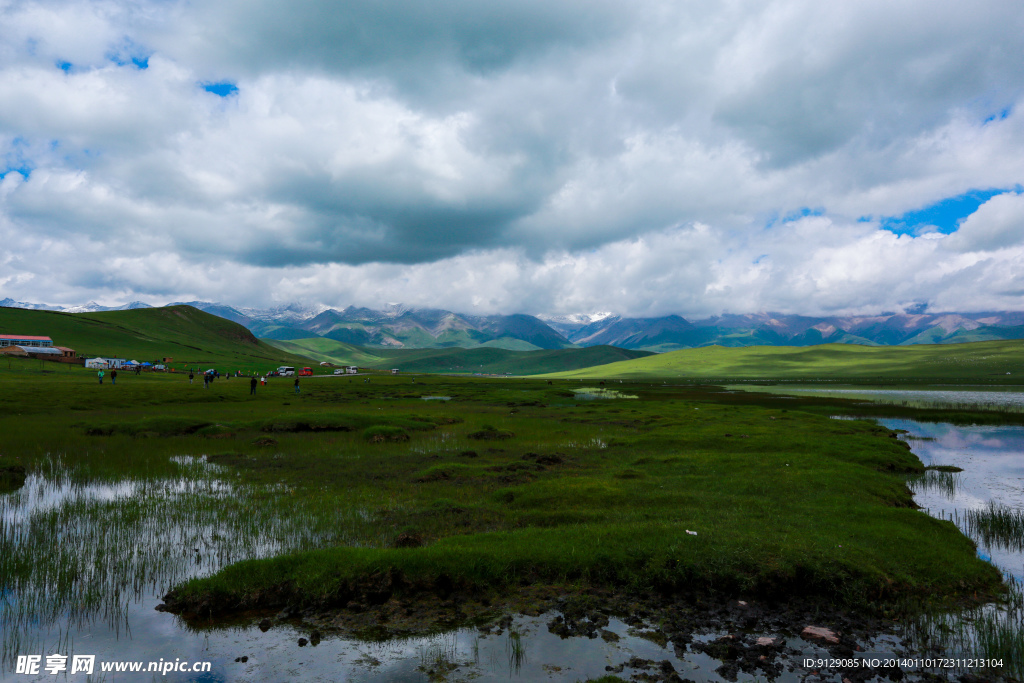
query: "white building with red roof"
24, 340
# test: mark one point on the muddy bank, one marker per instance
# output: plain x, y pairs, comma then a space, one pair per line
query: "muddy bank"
759, 636
763, 634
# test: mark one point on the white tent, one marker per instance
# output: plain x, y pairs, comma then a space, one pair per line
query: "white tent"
97, 363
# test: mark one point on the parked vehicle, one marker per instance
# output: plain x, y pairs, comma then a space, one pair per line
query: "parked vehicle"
285, 371
305, 372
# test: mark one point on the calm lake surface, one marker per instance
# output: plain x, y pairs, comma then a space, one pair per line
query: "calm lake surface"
993, 462
157, 532
996, 398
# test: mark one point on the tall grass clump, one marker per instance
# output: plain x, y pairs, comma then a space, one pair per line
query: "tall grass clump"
935, 481
992, 631
997, 526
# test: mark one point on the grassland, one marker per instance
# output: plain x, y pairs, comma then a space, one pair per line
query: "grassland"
353, 493
184, 333
484, 359
993, 361
603, 492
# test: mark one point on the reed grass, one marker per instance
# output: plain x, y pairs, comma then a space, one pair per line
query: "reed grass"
996, 526
935, 481
991, 632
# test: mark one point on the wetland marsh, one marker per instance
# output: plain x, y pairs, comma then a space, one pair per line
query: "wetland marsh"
413, 536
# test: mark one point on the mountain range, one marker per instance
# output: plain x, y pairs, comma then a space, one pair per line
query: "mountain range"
398, 326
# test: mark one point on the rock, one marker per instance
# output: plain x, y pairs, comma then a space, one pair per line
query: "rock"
302, 642
264, 625
819, 633
765, 641
314, 638
243, 659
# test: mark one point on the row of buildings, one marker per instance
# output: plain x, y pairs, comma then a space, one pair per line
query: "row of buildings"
42, 348
36, 347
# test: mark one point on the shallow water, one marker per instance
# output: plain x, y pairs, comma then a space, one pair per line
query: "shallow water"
996, 398
599, 393
993, 462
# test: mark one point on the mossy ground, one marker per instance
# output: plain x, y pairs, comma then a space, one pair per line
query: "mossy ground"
607, 492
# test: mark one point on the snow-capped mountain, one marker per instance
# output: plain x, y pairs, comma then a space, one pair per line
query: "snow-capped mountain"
91, 307
400, 325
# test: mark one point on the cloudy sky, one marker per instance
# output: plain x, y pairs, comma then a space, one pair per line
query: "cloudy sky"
639, 156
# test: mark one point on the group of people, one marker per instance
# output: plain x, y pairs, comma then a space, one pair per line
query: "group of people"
113, 374
208, 378
253, 381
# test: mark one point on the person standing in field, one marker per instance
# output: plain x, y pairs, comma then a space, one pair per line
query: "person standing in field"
252, 386
296, 385
190, 376
113, 376
100, 375
206, 380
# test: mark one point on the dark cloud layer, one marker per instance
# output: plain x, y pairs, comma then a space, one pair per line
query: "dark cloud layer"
370, 150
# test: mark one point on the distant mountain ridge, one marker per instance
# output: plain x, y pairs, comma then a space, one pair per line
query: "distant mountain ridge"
398, 326
91, 307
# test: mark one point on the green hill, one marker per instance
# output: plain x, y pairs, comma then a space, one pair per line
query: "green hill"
183, 333
970, 361
482, 359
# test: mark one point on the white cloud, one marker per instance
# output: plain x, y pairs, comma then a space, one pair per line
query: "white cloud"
510, 156
997, 224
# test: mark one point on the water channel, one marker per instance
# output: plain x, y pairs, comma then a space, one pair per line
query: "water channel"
152, 534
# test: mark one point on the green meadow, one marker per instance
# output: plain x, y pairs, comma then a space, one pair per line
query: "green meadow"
513, 481
981, 362
481, 359
184, 333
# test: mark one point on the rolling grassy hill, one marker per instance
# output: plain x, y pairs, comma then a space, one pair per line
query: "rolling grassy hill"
484, 359
970, 361
181, 332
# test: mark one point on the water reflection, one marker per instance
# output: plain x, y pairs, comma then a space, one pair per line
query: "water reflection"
1009, 399
86, 561
991, 458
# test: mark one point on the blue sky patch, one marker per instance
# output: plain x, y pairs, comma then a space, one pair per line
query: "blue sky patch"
130, 52
221, 89
15, 161
945, 215
998, 117
25, 171
775, 218
64, 66
802, 212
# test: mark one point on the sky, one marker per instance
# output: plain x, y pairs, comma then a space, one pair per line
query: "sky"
645, 157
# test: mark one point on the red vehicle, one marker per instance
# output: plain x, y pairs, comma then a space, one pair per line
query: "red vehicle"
304, 372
